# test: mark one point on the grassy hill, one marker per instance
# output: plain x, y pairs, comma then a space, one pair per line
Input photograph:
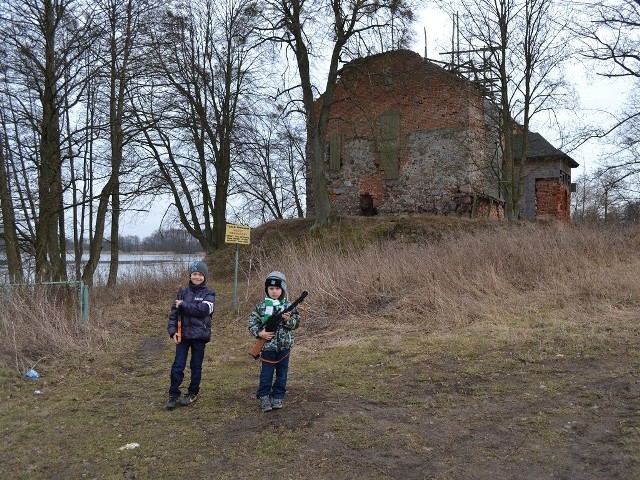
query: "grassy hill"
346, 233
430, 347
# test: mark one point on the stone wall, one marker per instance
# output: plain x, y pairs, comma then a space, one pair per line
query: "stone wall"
407, 136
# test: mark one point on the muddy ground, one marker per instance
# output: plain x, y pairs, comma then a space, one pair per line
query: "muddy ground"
377, 404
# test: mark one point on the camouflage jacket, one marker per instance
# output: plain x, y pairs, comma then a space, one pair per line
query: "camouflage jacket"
283, 339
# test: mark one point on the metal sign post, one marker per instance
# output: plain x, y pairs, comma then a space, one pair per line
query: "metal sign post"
235, 280
237, 234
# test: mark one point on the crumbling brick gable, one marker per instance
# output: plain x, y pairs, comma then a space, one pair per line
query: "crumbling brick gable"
402, 137
407, 136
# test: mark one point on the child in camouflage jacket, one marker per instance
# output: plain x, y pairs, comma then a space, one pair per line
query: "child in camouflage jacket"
275, 353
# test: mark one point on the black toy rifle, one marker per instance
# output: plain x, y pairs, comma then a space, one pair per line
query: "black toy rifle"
272, 324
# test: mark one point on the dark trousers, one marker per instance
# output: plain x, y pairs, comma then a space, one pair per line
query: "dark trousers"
180, 362
268, 387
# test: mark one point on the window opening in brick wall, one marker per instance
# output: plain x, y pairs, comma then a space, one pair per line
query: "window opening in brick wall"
389, 144
334, 152
366, 205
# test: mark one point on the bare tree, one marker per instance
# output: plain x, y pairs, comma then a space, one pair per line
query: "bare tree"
21, 173
520, 45
9, 231
605, 195
302, 26
44, 40
611, 38
270, 170
203, 60
119, 24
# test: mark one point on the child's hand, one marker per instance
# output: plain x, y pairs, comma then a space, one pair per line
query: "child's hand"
175, 338
266, 335
286, 315
178, 302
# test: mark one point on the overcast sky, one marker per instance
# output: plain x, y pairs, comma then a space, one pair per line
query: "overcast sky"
600, 99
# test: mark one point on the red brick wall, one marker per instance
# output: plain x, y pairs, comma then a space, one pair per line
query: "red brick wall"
373, 185
426, 96
552, 200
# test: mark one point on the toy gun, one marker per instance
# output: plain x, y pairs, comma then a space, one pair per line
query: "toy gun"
272, 324
179, 296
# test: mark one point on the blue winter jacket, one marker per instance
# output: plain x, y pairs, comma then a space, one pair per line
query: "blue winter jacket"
198, 304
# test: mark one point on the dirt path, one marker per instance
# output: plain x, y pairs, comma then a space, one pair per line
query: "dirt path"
403, 408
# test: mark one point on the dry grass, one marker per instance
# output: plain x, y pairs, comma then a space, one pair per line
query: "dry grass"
489, 276
472, 353
464, 278
43, 321
40, 322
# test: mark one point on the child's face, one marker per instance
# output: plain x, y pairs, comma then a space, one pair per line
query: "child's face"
196, 278
274, 292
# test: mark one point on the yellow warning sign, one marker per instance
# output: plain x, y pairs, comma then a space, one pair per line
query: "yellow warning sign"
237, 234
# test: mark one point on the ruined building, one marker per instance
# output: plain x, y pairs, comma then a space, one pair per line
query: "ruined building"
407, 136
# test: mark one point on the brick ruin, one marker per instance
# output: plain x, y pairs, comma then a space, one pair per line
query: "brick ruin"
552, 199
407, 136
547, 181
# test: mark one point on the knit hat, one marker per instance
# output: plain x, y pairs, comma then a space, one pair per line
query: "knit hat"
199, 266
276, 279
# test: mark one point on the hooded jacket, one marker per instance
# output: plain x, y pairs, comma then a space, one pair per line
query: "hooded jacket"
284, 338
196, 309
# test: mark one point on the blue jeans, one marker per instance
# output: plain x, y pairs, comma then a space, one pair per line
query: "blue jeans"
267, 386
180, 362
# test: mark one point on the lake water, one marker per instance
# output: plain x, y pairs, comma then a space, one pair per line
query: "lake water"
145, 264
129, 265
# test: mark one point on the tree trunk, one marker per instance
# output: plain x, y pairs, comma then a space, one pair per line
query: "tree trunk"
320, 189
508, 174
95, 245
14, 262
223, 169
115, 241
49, 262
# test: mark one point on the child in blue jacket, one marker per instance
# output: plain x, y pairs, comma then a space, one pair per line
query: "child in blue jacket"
193, 307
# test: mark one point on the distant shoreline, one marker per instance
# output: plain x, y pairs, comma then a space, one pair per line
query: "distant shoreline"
144, 252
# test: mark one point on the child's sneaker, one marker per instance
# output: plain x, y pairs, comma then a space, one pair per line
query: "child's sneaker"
276, 403
172, 402
188, 399
265, 404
